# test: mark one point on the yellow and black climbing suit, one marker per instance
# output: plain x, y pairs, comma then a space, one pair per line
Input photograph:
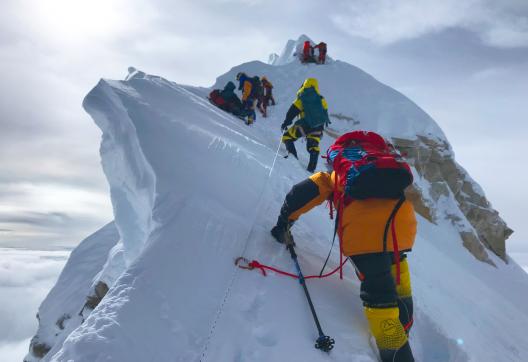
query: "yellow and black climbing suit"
313, 138
388, 306
313, 135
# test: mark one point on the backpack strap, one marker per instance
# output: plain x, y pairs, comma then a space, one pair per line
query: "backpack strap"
391, 223
389, 220
333, 239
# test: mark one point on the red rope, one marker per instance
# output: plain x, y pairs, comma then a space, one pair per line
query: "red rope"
340, 234
408, 325
256, 265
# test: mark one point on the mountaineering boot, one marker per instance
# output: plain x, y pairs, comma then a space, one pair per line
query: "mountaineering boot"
249, 120
389, 333
281, 232
403, 354
282, 236
313, 161
290, 147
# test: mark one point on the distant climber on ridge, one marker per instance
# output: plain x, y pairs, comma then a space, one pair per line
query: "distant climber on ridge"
366, 187
320, 53
312, 109
227, 100
259, 94
307, 55
249, 95
268, 95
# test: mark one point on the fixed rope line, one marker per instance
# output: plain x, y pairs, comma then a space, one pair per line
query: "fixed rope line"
233, 277
244, 263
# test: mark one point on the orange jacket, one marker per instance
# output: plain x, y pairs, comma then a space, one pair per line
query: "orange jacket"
246, 90
363, 221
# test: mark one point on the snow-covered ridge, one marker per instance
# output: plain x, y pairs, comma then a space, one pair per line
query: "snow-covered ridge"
192, 190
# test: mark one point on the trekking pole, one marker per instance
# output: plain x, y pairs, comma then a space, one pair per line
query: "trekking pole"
324, 342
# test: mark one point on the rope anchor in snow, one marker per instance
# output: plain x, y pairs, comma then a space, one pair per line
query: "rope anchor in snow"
244, 263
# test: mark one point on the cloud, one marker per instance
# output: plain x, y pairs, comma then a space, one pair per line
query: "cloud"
25, 279
43, 215
36, 218
498, 24
14, 351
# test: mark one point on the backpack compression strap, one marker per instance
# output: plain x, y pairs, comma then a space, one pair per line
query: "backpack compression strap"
390, 223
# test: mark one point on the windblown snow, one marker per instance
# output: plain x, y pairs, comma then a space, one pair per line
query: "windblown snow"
193, 188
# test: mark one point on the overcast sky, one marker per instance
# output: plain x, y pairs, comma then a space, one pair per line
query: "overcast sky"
465, 62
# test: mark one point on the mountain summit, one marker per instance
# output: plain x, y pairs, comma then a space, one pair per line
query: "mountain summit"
193, 188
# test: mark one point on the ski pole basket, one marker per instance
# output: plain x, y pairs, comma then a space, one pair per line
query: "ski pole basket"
324, 343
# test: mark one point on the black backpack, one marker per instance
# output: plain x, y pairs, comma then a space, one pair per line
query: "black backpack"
257, 90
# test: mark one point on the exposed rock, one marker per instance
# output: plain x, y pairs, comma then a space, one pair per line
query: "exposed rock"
62, 320
434, 161
472, 243
414, 195
100, 291
343, 117
37, 348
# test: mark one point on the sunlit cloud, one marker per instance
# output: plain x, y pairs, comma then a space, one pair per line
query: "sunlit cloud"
499, 24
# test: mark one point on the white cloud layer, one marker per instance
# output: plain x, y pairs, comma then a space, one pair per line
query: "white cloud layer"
14, 352
497, 23
26, 276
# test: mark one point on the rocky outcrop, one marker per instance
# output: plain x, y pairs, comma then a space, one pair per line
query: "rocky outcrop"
480, 226
97, 296
39, 349
78, 291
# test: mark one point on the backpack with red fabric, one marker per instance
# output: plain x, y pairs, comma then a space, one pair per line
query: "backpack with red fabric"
366, 166
217, 99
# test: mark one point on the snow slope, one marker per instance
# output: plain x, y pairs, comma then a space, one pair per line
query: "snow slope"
193, 188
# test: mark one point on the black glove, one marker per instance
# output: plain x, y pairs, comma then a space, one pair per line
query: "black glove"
284, 126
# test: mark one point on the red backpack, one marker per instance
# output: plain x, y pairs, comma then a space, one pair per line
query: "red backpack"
216, 98
366, 166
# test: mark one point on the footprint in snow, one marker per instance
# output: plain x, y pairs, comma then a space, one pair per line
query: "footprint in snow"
265, 337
